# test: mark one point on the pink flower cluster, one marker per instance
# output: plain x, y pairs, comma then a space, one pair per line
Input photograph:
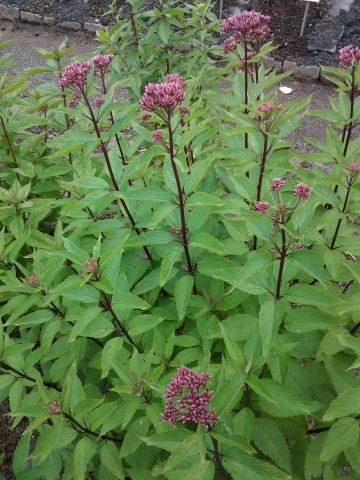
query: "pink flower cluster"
32, 280
101, 63
157, 136
165, 95
187, 397
353, 167
91, 265
54, 407
98, 102
246, 25
269, 107
262, 207
277, 183
302, 191
349, 55
75, 74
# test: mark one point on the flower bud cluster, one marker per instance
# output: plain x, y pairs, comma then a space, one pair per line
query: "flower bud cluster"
353, 167
262, 207
187, 398
75, 74
302, 191
246, 25
91, 266
349, 55
165, 95
54, 407
157, 136
276, 184
101, 63
32, 280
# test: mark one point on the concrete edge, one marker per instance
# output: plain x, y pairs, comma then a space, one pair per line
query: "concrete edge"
305, 73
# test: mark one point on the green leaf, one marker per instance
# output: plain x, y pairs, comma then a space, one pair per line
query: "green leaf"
129, 301
251, 468
207, 242
167, 440
311, 263
311, 295
143, 323
167, 264
342, 435
201, 198
183, 289
181, 452
348, 403
306, 319
270, 318
109, 352
270, 440
110, 458
232, 347
313, 465
83, 453
235, 441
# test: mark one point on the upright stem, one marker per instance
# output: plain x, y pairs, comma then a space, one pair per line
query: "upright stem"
352, 102
261, 176
11, 150
246, 100
282, 262
332, 245
67, 121
185, 241
223, 474
108, 163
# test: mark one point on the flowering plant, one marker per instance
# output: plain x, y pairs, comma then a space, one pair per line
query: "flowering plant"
179, 299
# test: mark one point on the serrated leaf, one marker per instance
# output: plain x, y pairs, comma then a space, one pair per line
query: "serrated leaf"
270, 440
129, 301
143, 323
167, 264
207, 242
181, 452
342, 435
232, 347
270, 318
251, 468
348, 403
183, 289
83, 453
313, 465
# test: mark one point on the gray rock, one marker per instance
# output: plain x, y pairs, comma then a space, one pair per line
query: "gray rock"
70, 25
92, 27
49, 21
9, 13
309, 73
269, 62
288, 66
31, 18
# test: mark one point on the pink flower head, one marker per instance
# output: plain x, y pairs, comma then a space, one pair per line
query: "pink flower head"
75, 74
144, 117
101, 63
91, 265
353, 167
74, 99
266, 107
262, 207
187, 398
298, 245
54, 407
302, 191
184, 111
349, 55
98, 102
32, 280
229, 45
165, 95
277, 183
246, 25
157, 136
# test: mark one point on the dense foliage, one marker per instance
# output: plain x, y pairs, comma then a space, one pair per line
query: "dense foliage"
179, 300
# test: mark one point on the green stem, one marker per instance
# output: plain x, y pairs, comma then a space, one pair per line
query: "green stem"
282, 263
